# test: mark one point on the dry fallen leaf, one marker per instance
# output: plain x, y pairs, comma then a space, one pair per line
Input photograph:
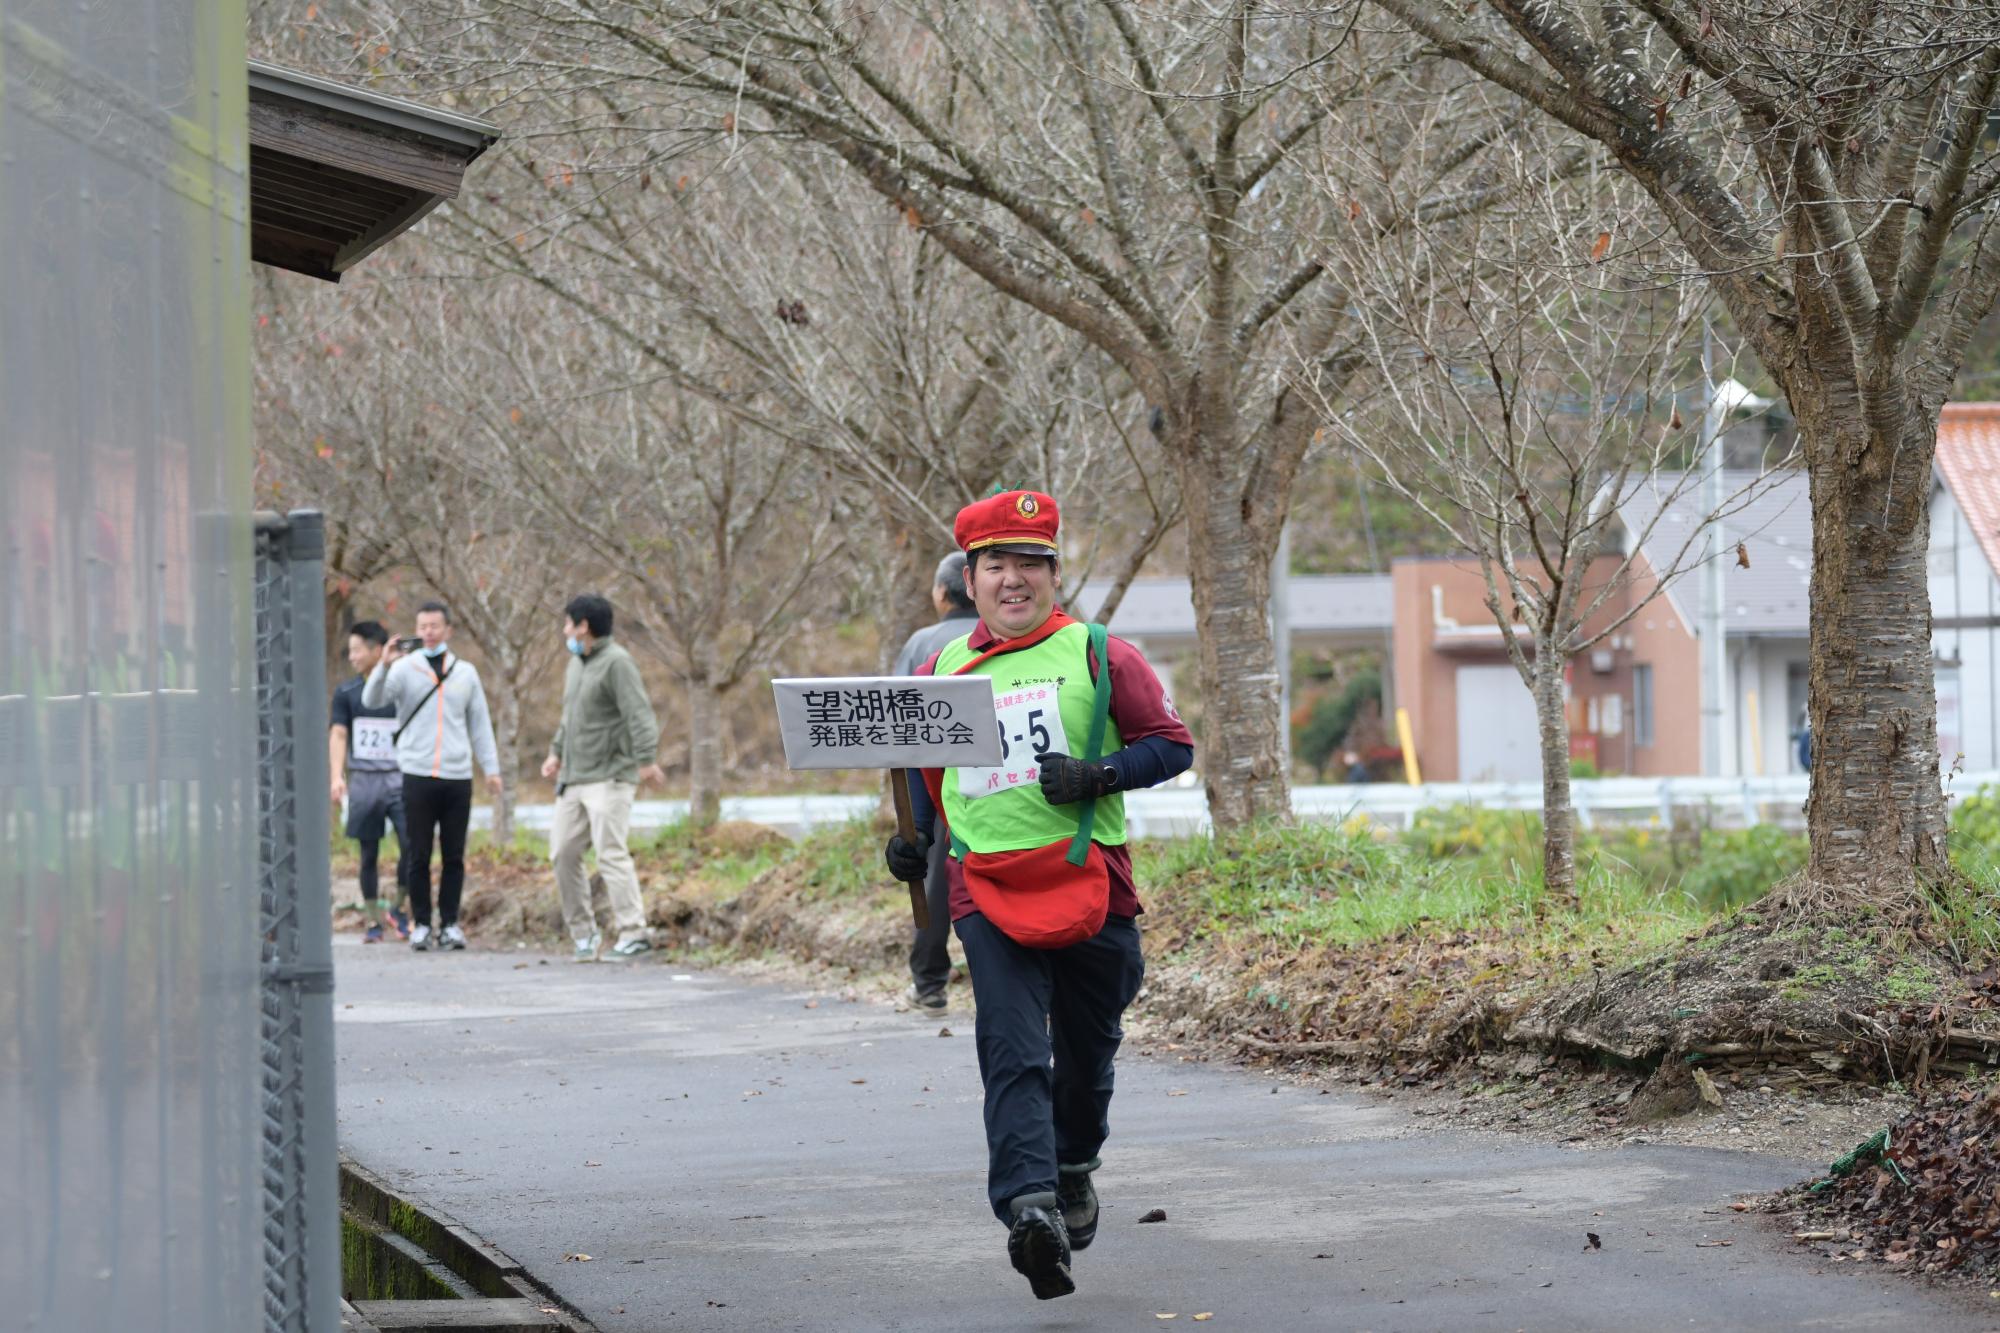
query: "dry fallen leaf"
1595, 1242
1204, 1315
1712, 1244
857, 1080
576, 1258
1177, 1092
588, 1162
1155, 1215
1166, 1315
1603, 246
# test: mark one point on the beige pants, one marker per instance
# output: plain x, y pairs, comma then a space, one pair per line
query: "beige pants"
596, 814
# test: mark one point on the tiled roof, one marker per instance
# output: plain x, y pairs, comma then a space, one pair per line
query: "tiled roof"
1320, 604
1774, 523
1968, 458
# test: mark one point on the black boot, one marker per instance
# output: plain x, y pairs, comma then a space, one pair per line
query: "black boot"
1079, 1202
1039, 1246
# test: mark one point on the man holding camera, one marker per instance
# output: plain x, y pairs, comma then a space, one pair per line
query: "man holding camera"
602, 750
442, 725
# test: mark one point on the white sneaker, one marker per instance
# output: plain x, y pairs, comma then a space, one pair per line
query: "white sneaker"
586, 950
420, 938
631, 945
454, 938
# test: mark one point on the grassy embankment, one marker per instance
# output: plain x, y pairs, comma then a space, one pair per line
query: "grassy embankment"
1411, 948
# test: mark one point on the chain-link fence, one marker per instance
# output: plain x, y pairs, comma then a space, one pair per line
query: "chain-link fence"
301, 1221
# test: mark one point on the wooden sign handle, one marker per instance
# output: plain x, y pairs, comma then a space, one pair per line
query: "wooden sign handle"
906, 825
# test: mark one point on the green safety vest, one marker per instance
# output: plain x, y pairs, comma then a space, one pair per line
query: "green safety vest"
1033, 689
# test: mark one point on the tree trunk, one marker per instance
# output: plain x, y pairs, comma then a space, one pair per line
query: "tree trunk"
1558, 818
704, 754
338, 605
1242, 750
505, 707
906, 601
1876, 817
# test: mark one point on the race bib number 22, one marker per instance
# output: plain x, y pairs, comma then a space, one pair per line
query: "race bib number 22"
374, 739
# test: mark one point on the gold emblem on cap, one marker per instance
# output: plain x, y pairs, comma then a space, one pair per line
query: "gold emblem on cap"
1026, 505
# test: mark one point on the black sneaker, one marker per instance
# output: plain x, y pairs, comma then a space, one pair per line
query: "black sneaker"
1079, 1202
1039, 1246
925, 1001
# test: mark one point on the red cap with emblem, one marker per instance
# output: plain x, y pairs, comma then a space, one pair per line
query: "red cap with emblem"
1024, 522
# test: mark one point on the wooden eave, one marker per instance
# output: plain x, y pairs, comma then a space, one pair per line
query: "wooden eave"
336, 173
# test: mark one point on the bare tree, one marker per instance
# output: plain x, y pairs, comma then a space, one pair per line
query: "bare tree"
1829, 167
728, 539
422, 484
1530, 394
1128, 171
906, 375
297, 464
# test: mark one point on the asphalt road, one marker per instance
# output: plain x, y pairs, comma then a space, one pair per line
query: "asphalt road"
733, 1156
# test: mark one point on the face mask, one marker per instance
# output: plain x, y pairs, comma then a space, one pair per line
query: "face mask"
434, 652
573, 646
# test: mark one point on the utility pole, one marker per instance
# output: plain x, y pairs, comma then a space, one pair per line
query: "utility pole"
1717, 748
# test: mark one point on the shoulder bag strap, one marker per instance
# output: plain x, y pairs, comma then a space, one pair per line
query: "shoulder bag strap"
405, 724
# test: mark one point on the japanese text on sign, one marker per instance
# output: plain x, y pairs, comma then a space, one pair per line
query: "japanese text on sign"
880, 715
887, 722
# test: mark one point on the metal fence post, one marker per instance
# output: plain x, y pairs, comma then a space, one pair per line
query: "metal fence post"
301, 1174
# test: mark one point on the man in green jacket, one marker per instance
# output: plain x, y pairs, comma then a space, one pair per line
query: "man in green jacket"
603, 749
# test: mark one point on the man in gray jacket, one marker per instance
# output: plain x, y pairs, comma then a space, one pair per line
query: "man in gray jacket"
441, 726
603, 748
930, 959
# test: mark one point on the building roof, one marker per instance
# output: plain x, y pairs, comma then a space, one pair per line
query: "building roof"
1337, 606
1774, 523
335, 172
1968, 461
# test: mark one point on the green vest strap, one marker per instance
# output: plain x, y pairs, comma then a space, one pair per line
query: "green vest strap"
1100, 716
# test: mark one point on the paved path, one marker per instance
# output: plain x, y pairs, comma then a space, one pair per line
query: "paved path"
741, 1157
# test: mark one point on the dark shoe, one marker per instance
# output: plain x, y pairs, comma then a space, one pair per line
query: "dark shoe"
1039, 1246
372, 935
925, 1001
1079, 1202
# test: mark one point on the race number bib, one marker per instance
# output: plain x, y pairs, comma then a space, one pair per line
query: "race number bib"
1030, 726
374, 740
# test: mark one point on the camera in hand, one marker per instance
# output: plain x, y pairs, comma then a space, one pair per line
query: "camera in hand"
408, 643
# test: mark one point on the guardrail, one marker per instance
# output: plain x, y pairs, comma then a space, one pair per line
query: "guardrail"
1178, 812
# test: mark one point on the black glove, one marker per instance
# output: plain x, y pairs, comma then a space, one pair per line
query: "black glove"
1065, 779
908, 861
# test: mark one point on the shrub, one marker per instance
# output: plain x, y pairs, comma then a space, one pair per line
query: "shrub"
1740, 865
1331, 716
1469, 830
1975, 833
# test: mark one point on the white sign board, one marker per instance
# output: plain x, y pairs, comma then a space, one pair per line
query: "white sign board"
888, 722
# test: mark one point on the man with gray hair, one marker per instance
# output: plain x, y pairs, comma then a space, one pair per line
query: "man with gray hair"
930, 961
